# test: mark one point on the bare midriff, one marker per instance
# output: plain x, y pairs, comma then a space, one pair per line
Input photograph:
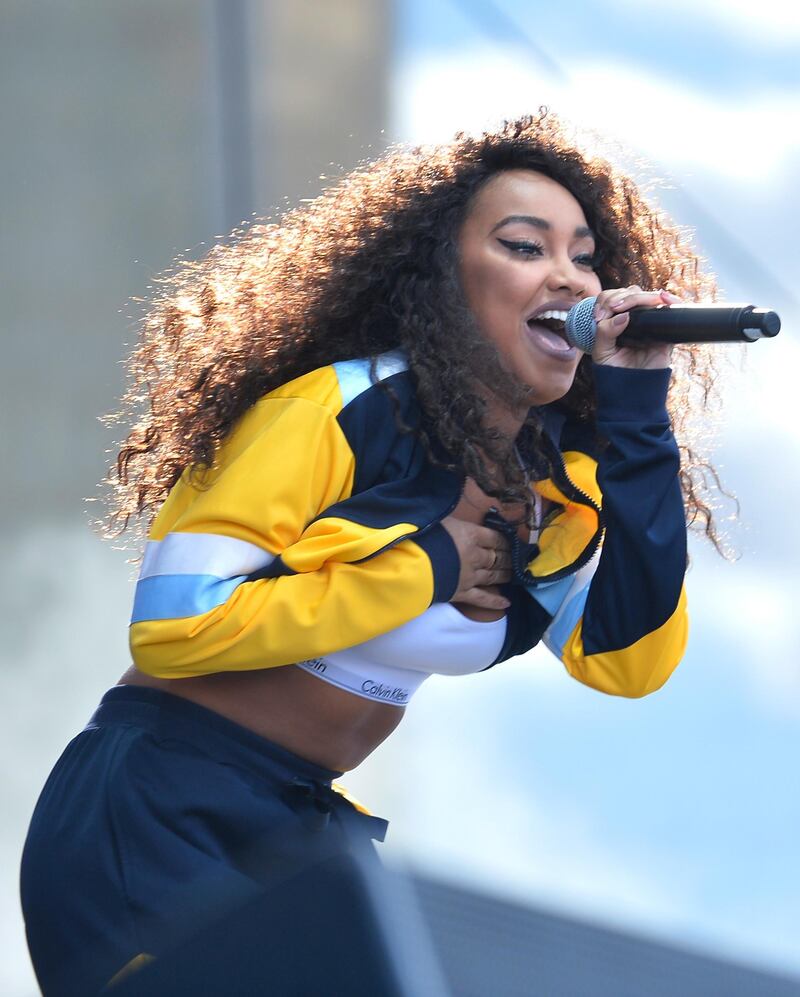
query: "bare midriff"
308, 716
286, 705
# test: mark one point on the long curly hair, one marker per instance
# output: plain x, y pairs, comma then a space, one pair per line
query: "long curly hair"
369, 266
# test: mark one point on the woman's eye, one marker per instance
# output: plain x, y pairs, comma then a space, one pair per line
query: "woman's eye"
523, 247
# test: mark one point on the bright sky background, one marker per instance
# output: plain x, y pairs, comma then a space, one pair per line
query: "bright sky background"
676, 815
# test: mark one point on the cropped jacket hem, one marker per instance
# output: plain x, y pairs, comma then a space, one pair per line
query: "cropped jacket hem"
319, 526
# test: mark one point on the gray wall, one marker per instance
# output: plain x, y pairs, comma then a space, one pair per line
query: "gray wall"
131, 132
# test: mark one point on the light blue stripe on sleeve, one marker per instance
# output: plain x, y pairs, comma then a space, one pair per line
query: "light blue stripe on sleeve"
172, 597
571, 609
557, 634
353, 375
550, 597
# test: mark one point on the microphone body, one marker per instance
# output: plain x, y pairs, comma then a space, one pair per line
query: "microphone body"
685, 323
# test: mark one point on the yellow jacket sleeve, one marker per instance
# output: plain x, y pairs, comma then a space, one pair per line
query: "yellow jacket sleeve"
243, 570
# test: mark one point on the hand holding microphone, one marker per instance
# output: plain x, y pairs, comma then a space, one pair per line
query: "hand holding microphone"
605, 325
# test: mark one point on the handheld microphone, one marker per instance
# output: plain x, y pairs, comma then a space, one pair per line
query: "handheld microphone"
685, 323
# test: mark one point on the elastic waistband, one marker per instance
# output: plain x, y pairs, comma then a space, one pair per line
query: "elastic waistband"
173, 717
392, 685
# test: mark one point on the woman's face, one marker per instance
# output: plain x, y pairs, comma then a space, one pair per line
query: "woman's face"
525, 252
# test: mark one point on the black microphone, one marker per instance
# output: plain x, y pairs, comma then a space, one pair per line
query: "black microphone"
684, 323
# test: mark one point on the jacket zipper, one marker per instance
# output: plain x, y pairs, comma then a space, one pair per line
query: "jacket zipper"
522, 554
521, 574
572, 491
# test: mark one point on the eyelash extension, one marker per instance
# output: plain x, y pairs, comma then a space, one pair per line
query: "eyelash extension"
537, 247
526, 248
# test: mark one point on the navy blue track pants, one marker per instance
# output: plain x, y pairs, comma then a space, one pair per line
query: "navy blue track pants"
161, 818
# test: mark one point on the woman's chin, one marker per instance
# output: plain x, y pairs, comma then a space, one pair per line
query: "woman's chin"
543, 391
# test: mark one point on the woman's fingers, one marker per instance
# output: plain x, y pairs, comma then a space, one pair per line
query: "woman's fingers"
487, 597
495, 567
485, 536
611, 315
498, 568
502, 562
484, 554
610, 303
497, 556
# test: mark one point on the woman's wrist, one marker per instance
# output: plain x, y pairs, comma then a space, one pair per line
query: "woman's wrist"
626, 394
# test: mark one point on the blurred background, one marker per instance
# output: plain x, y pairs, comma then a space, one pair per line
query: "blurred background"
135, 132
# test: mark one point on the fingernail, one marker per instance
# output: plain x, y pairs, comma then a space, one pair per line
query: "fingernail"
602, 314
617, 304
620, 320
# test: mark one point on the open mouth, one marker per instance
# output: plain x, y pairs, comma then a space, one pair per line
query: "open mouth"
550, 325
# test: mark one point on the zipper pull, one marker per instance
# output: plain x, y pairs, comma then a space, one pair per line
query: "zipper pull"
521, 553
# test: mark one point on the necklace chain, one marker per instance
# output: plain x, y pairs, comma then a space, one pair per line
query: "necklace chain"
523, 466
537, 498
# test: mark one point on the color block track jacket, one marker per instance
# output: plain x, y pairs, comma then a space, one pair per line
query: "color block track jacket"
319, 527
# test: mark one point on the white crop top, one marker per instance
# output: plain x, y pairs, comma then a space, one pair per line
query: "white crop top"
394, 665
442, 641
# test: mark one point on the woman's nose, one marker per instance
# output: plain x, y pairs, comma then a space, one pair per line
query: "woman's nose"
565, 275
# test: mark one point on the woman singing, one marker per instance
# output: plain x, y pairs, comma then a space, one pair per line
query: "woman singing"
368, 455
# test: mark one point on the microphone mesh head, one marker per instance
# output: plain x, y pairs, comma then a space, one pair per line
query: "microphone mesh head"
580, 327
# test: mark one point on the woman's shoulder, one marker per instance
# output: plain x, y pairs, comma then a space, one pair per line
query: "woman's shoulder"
348, 384
341, 398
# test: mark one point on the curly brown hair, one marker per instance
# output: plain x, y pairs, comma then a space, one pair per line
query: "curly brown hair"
369, 266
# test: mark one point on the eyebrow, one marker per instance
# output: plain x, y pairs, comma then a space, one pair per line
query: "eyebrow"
580, 231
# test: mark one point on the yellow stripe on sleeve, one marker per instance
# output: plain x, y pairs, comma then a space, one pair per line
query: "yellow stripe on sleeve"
633, 671
286, 461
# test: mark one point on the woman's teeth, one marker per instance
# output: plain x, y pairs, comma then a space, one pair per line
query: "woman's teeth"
557, 316
550, 326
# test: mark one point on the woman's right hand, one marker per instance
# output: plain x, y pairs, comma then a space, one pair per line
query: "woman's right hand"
485, 557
